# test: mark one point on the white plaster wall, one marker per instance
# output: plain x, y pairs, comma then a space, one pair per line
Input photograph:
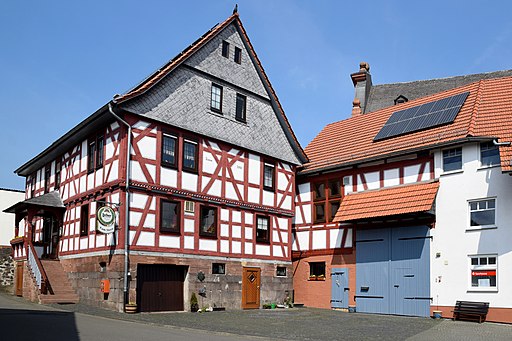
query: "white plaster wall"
450, 272
411, 174
391, 177
168, 177
189, 181
254, 169
372, 180
209, 163
7, 199
170, 241
147, 147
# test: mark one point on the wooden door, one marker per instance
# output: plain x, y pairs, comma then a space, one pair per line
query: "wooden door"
339, 288
160, 287
54, 239
251, 279
19, 279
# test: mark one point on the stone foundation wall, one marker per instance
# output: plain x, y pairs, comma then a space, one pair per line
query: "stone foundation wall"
85, 275
221, 290
30, 291
6, 268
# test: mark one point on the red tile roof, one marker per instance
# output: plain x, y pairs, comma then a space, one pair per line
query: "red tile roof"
387, 202
189, 51
487, 113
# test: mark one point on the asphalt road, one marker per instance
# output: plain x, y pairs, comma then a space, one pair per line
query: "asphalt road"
20, 320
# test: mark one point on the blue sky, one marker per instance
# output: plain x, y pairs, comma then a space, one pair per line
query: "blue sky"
62, 60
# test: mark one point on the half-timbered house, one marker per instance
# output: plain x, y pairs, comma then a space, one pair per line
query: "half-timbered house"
402, 208
198, 161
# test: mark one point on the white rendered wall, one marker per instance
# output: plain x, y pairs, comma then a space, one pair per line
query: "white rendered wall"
453, 242
7, 199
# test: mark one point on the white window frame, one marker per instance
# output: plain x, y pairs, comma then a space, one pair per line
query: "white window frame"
481, 227
491, 267
461, 160
480, 157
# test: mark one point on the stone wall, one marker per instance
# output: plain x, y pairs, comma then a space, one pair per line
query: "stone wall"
6, 268
225, 290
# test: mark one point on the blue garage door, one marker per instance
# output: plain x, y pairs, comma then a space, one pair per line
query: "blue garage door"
393, 271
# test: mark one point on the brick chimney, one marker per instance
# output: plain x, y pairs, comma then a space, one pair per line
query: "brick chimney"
362, 83
356, 107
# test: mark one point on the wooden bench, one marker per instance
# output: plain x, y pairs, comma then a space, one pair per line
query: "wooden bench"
471, 310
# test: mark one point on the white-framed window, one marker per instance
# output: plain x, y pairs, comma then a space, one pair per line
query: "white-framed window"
489, 154
482, 213
483, 270
216, 98
452, 159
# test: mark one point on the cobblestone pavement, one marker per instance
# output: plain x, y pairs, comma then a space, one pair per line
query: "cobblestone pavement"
312, 324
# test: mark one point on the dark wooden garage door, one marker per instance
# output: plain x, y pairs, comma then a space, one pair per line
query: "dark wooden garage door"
160, 287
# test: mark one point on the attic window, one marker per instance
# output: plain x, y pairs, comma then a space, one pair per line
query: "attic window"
225, 49
238, 55
400, 99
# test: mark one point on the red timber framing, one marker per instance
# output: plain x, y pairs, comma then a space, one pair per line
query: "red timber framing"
386, 173
236, 221
77, 187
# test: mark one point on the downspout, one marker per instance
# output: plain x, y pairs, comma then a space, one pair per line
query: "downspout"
127, 207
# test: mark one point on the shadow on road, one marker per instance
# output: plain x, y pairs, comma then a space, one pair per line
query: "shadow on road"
21, 324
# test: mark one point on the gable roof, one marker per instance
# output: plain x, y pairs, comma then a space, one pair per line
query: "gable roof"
486, 114
170, 66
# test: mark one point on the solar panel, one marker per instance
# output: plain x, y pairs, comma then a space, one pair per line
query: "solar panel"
423, 116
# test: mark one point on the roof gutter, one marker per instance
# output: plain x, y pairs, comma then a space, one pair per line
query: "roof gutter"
127, 206
496, 143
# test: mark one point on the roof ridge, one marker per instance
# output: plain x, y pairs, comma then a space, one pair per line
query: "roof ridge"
444, 78
476, 106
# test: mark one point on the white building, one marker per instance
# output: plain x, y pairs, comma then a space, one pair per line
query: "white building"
8, 197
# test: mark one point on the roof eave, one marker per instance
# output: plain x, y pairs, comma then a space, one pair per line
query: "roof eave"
83, 127
338, 166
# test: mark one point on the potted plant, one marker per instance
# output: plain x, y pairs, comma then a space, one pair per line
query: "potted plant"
194, 305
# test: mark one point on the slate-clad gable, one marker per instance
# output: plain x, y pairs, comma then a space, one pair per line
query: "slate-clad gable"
210, 60
182, 99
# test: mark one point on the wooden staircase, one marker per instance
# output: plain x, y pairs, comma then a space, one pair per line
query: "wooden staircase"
62, 290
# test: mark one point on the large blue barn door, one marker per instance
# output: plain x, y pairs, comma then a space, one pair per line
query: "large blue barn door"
410, 263
393, 271
339, 288
372, 271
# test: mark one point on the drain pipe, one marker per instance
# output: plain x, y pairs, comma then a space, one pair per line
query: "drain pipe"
127, 207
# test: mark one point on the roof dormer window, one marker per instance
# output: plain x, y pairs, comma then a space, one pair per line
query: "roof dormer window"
401, 99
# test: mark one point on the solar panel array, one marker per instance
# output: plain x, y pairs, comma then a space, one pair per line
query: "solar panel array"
423, 116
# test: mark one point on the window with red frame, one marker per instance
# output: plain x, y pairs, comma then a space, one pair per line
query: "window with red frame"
326, 200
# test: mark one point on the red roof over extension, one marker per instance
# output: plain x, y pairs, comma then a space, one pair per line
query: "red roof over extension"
388, 202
